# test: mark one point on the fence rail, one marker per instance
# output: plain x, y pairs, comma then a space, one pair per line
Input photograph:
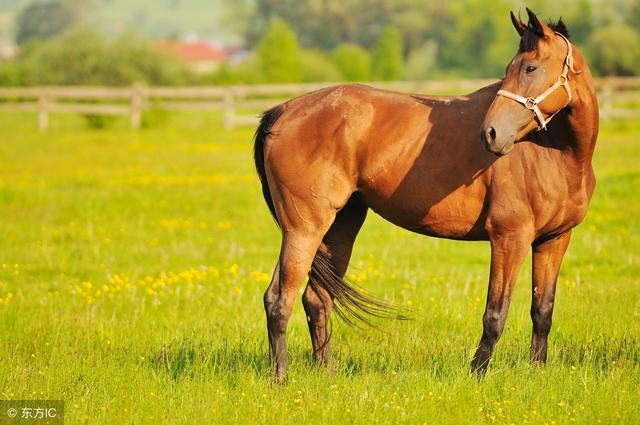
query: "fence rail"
618, 97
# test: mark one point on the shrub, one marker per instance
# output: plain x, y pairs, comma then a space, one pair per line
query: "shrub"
387, 60
316, 66
279, 54
615, 50
353, 62
85, 57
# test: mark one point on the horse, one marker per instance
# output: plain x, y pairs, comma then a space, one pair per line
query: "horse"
509, 164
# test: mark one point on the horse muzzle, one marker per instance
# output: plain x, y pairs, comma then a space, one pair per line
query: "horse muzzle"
493, 143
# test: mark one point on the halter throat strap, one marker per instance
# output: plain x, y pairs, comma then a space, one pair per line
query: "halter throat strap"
532, 103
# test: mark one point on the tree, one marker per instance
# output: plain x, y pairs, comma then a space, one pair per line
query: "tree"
84, 57
614, 50
387, 62
421, 61
316, 66
45, 20
325, 24
353, 62
279, 53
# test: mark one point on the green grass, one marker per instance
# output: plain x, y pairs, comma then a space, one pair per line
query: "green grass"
132, 267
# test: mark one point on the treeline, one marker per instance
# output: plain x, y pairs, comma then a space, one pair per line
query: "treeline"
324, 40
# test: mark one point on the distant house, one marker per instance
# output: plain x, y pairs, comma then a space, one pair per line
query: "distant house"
7, 51
201, 56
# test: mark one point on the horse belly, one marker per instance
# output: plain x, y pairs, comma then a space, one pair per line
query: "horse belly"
459, 215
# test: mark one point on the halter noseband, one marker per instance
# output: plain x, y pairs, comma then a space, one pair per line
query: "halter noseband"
532, 103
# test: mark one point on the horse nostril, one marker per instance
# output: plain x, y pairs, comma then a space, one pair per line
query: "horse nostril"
492, 134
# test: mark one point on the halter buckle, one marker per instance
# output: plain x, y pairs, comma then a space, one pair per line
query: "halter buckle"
562, 79
530, 103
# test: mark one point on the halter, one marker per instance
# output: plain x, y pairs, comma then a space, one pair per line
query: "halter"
531, 103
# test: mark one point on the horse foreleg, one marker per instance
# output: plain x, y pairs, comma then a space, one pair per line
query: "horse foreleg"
507, 254
547, 258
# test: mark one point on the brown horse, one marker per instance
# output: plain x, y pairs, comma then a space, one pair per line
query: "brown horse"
327, 157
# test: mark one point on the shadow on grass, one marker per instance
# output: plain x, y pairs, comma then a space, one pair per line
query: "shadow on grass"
190, 359
600, 353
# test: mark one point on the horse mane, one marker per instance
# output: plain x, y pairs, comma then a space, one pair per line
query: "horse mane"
529, 39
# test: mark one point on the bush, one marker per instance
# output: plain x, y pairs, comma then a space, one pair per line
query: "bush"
99, 122
84, 57
615, 50
421, 61
353, 62
279, 54
387, 55
155, 117
316, 66
44, 20
245, 72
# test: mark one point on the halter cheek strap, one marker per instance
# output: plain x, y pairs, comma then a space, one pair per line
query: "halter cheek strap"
532, 103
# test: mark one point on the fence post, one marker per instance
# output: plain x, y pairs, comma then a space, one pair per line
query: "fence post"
44, 101
228, 109
136, 106
607, 99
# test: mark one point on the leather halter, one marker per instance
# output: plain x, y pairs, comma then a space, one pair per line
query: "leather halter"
532, 103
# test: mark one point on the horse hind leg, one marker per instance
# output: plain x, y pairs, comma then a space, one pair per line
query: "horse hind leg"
305, 224
336, 247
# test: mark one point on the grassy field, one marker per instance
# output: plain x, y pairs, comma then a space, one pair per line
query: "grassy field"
132, 267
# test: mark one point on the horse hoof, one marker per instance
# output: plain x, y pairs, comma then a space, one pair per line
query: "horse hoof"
280, 379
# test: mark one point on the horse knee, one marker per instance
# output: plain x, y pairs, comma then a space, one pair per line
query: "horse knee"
493, 324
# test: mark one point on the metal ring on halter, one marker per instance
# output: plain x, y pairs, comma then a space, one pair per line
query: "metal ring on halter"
530, 103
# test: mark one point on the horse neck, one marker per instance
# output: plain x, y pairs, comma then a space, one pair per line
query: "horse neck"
580, 131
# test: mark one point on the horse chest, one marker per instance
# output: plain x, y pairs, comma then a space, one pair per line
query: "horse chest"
551, 200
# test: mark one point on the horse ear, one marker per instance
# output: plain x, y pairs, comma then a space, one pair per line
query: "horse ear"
561, 27
535, 24
518, 24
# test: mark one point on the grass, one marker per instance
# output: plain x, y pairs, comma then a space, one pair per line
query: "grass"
132, 267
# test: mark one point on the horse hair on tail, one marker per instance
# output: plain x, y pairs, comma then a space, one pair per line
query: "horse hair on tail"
351, 304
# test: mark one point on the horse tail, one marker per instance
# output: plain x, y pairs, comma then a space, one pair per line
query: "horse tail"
351, 303
267, 120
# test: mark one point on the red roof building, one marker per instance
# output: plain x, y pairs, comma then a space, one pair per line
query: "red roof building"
203, 57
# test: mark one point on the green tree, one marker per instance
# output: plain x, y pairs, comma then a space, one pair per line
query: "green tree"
327, 23
279, 53
353, 61
580, 21
316, 66
614, 50
387, 62
84, 57
45, 20
421, 61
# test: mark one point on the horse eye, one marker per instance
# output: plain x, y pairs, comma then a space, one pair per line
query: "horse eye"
530, 69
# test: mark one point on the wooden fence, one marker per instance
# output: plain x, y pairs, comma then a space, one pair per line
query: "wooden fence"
618, 97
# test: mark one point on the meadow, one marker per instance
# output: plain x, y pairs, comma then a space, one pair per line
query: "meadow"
133, 263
